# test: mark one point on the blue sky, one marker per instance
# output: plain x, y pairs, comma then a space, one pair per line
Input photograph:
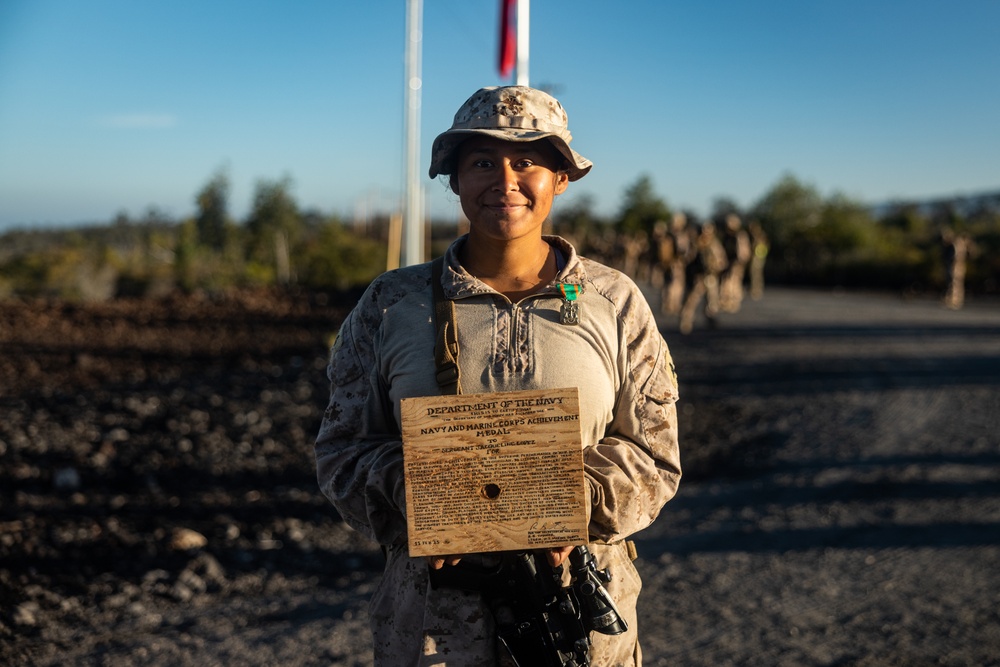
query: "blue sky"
113, 105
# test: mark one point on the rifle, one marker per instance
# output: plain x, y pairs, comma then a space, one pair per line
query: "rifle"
541, 622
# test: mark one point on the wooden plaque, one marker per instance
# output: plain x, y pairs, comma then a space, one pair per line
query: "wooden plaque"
493, 472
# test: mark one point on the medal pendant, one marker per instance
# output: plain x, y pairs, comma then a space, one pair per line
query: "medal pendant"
569, 313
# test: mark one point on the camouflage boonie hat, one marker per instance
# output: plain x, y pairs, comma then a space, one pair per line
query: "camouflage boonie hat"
511, 113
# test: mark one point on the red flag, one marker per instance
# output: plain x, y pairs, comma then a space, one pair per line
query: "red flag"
508, 37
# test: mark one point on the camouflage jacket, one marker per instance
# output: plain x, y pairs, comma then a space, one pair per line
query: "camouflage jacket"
384, 352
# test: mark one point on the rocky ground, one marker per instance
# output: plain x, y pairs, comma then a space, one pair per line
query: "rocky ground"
841, 500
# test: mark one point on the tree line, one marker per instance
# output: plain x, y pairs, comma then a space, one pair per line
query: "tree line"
814, 240
821, 241
277, 243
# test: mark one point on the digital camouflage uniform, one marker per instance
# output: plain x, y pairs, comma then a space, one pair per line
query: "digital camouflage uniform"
385, 352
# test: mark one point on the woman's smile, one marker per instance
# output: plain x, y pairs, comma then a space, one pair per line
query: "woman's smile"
506, 187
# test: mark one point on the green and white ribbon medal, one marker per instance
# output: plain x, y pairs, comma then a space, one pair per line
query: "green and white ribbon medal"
570, 311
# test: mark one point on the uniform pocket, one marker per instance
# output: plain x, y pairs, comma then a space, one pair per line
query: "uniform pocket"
662, 384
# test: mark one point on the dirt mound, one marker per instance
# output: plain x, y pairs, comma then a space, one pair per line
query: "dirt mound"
158, 501
157, 457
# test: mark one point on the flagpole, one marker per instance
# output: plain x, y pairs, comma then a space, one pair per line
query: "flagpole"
413, 222
521, 69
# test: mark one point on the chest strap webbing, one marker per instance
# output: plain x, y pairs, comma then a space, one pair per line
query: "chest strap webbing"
446, 343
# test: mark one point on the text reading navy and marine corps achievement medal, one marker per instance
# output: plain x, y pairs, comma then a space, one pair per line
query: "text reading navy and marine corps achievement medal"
493, 472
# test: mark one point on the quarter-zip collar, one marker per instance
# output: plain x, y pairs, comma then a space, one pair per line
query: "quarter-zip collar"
459, 283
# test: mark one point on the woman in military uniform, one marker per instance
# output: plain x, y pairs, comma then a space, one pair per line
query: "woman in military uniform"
530, 314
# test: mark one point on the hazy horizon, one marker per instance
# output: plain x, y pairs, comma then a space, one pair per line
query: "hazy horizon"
113, 106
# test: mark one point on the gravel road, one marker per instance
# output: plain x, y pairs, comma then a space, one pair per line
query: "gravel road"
845, 507
840, 506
